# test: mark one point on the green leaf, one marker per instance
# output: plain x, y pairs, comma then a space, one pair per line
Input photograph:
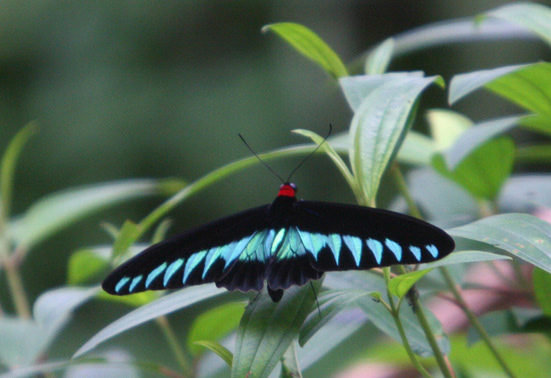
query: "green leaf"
476, 136
217, 348
484, 170
331, 302
310, 45
162, 306
378, 128
446, 126
22, 341
417, 149
357, 88
267, 330
528, 86
8, 164
214, 324
539, 123
542, 283
400, 285
378, 60
290, 365
534, 17
463, 257
127, 235
85, 264
523, 236
540, 154
526, 193
56, 211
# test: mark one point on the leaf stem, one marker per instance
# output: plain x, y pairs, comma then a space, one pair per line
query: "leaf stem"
164, 325
17, 289
474, 321
394, 311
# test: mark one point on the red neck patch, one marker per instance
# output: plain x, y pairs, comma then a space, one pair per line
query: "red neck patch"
287, 190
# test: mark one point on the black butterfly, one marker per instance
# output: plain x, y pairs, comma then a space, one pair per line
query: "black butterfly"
288, 242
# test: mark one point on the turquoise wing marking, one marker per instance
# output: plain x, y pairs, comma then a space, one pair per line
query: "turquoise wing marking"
394, 248
135, 281
154, 274
432, 249
192, 263
416, 251
172, 268
354, 244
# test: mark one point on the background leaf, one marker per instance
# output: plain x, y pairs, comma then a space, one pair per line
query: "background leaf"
542, 282
523, 236
310, 45
484, 171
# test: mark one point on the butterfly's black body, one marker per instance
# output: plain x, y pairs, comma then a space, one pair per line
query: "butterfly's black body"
288, 242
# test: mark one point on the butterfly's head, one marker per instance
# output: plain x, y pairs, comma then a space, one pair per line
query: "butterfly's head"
287, 189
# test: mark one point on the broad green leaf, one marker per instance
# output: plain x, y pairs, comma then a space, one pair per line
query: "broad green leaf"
446, 126
214, 324
542, 283
357, 88
56, 211
162, 306
310, 45
475, 136
378, 128
463, 257
400, 285
523, 236
378, 60
484, 170
267, 329
133, 300
8, 164
217, 348
463, 84
534, 17
85, 264
330, 303
528, 86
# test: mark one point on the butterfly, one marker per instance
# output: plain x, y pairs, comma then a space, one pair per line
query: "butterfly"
288, 242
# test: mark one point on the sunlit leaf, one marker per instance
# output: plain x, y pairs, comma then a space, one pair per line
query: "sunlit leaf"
310, 45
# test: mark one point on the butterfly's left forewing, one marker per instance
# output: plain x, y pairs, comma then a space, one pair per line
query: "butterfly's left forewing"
224, 251
344, 237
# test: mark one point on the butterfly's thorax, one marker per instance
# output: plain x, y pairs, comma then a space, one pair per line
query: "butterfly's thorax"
279, 211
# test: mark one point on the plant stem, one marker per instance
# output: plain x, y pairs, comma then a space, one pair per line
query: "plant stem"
475, 322
394, 311
169, 334
16, 288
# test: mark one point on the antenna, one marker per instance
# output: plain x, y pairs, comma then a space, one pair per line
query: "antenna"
311, 153
299, 164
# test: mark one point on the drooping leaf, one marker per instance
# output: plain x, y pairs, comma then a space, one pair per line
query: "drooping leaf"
162, 306
310, 45
532, 16
476, 136
484, 170
528, 85
523, 236
54, 212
